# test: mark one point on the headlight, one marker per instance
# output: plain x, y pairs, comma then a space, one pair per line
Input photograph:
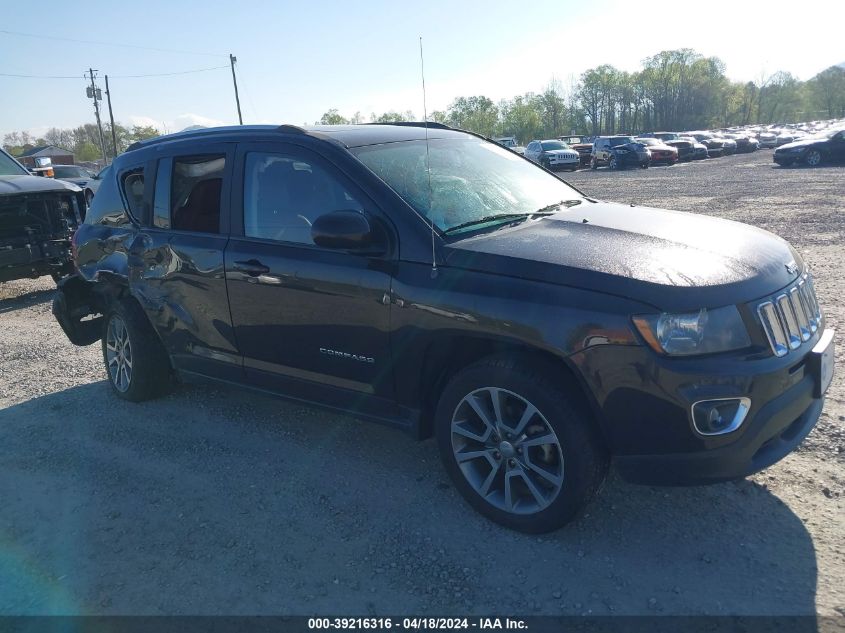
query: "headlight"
702, 332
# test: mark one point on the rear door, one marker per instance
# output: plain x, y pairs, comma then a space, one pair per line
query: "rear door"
310, 322
176, 261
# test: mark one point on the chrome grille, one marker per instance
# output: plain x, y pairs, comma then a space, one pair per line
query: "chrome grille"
792, 317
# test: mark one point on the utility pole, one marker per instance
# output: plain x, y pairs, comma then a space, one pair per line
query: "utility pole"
232, 60
111, 119
92, 92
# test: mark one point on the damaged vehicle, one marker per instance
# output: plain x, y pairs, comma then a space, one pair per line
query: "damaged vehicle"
38, 216
432, 280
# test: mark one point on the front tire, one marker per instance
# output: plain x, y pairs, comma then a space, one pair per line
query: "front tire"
522, 451
136, 362
813, 158
593, 163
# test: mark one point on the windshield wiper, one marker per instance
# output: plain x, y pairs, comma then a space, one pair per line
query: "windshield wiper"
557, 205
548, 209
488, 218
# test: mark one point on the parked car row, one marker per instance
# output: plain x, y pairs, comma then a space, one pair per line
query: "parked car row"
810, 144
82, 177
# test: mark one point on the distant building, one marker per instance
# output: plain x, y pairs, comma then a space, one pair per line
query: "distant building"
57, 155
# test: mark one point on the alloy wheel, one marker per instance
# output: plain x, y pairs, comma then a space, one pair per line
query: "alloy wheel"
119, 354
814, 157
507, 450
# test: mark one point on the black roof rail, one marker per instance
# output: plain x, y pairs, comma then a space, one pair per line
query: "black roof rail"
431, 124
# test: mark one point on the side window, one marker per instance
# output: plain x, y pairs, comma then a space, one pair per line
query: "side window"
132, 183
284, 195
194, 184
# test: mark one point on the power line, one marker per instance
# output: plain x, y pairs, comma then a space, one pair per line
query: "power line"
101, 43
44, 76
181, 72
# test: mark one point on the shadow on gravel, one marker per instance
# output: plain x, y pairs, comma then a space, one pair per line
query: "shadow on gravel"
220, 502
27, 300
817, 168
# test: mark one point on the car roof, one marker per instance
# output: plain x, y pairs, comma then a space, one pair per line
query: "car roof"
347, 135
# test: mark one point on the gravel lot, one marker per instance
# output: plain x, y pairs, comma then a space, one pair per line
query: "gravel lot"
221, 502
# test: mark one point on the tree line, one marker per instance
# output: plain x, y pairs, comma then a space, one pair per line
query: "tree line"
674, 90
83, 141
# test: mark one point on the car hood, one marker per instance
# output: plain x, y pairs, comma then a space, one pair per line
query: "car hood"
14, 185
76, 180
804, 142
631, 147
672, 260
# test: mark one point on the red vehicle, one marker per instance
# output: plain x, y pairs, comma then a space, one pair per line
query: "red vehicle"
580, 144
660, 151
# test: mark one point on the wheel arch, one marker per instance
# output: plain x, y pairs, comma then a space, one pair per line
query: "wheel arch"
111, 288
446, 356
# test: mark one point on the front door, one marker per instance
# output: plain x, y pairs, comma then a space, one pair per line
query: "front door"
309, 321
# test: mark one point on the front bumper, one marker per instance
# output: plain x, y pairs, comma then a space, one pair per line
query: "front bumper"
633, 159
646, 412
564, 163
33, 259
667, 158
786, 159
774, 432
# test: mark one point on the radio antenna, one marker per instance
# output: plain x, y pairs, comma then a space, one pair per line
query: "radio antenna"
428, 165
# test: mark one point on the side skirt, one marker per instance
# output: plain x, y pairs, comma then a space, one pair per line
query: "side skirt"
408, 420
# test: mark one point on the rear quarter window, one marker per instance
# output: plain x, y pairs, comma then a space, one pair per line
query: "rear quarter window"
107, 207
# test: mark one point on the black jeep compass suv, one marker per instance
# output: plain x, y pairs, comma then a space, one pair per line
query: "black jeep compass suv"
438, 282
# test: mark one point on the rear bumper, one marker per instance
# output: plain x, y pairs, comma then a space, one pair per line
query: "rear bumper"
74, 301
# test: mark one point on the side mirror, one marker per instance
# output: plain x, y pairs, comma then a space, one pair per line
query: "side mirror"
344, 230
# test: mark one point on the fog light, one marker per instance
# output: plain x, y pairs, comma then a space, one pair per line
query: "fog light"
719, 416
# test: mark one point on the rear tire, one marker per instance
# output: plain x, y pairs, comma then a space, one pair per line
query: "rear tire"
137, 365
614, 163
536, 459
